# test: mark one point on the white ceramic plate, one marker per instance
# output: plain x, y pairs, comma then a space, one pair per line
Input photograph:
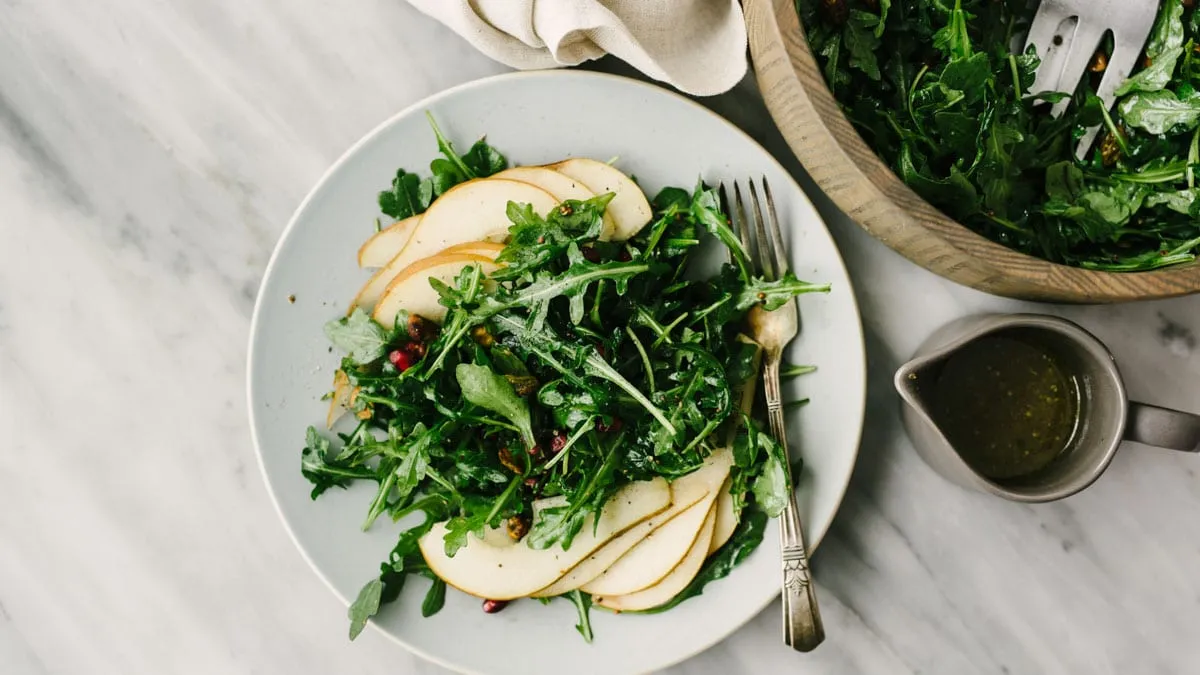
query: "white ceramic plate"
663, 139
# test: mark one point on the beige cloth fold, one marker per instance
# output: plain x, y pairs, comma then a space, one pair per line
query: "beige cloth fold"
697, 46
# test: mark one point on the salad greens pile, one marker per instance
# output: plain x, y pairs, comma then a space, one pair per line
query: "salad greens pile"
579, 366
935, 90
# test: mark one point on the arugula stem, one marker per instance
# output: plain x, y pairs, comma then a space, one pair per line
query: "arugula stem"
392, 403
1116, 133
704, 433
438, 478
490, 421
645, 357
1007, 223
665, 336
1168, 173
1185, 247
916, 80
447, 148
595, 313
601, 368
1193, 159
561, 456
713, 307
417, 505
796, 371
460, 329
504, 497
381, 497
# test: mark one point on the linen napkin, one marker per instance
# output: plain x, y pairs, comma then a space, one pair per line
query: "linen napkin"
697, 46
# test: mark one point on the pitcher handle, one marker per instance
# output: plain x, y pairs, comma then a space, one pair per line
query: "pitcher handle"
1163, 427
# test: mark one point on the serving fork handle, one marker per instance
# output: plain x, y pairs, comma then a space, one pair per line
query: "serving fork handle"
802, 627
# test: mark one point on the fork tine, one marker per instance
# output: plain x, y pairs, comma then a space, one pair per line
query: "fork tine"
1083, 50
760, 235
1120, 64
743, 230
1050, 15
781, 263
727, 207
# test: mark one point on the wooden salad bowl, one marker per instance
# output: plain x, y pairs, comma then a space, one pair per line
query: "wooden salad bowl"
867, 190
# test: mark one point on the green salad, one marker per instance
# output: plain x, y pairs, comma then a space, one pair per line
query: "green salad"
578, 368
934, 89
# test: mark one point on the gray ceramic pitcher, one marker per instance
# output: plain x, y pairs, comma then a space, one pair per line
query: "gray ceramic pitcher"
1107, 417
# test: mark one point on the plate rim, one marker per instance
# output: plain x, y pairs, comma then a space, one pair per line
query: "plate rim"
859, 410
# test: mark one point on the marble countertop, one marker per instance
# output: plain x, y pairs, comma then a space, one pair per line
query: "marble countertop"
150, 154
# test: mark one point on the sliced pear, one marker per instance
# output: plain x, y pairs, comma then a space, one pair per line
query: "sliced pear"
386, 243
488, 249
726, 518
562, 186
655, 556
674, 582
685, 492
629, 208
412, 292
476, 210
339, 401
501, 569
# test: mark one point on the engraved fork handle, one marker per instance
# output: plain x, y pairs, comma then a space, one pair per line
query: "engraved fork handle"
802, 628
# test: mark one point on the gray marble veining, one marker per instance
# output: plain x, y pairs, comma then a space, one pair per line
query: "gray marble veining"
150, 154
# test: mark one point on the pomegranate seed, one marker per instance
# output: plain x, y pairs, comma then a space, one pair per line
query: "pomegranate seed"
614, 425
557, 443
401, 359
591, 254
530, 482
535, 450
603, 352
493, 606
624, 256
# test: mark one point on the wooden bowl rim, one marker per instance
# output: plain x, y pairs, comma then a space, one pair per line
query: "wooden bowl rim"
1005, 271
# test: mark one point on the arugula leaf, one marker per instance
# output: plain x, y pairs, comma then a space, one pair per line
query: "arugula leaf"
487, 389
324, 471
1156, 76
435, 599
1161, 112
459, 527
559, 525
1102, 212
953, 38
706, 209
405, 198
954, 192
862, 40
1167, 33
484, 160
1163, 51
364, 606
583, 603
1180, 201
358, 335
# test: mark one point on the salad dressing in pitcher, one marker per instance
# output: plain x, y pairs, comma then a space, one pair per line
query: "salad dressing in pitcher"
1006, 403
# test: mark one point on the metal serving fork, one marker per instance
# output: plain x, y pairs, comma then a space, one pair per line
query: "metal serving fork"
1067, 33
802, 627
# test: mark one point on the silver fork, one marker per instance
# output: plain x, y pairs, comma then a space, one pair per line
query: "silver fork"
802, 627
1067, 33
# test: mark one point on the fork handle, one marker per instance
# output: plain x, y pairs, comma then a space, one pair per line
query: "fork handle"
802, 627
